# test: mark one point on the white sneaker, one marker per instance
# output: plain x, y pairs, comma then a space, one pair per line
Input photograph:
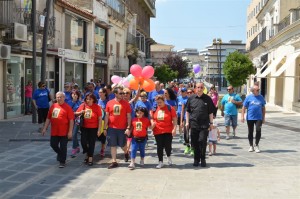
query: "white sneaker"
160, 165
256, 148
142, 163
210, 153
227, 137
131, 166
251, 149
233, 133
169, 161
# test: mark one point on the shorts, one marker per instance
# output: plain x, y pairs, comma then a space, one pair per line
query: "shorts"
102, 138
116, 137
212, 141
232, 118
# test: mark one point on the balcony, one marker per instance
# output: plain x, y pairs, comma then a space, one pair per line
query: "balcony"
116, 15
284, 23
131, 39
259, 39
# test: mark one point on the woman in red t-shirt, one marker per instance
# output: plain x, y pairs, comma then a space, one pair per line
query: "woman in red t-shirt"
164, 121
140, 125
91, 125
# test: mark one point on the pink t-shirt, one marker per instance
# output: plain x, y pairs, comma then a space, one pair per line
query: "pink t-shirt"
28, 91
215, 97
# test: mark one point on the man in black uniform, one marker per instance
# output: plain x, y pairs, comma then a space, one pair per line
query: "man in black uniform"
199, 117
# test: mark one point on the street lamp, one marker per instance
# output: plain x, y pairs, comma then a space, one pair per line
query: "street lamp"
219, 60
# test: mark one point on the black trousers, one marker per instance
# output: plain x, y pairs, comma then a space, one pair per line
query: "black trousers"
42, 115
163, 141
59, 145
199, 141
215, 112
258, 124
88, 140
186, 133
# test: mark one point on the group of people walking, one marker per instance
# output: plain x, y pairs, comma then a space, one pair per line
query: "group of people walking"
120, 117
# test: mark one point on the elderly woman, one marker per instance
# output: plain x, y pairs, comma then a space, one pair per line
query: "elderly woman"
61, 117
91, 125
164, 122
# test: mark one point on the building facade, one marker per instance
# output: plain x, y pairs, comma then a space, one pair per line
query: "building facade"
215, 55
275, 53
191, 55
159, 52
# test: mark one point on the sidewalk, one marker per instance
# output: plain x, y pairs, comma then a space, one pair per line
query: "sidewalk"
30, 170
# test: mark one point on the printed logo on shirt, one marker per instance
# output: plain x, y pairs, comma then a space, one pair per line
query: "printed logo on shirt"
138, 126
160, 115
117, 109
88, 113
255, 103
55, 112
230, 99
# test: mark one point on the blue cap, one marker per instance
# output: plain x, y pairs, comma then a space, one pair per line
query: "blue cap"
183, 89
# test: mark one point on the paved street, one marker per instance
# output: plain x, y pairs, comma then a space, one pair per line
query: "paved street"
28, 167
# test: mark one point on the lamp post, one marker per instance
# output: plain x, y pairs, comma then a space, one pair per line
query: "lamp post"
218, 42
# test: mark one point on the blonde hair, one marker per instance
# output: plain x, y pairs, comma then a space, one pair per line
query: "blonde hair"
143, 94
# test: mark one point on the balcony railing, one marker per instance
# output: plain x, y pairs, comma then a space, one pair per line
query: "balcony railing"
131, 39
284, 23
259, 39
116, 15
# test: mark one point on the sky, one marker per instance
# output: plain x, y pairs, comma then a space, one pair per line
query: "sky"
195, 23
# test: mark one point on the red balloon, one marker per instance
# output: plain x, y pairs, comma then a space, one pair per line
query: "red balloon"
147, 72
134, 83
136, 70
148, 85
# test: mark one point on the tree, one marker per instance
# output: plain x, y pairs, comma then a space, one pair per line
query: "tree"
164, 73
177, 64
237, 68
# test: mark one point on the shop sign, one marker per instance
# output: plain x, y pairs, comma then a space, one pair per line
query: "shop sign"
73, 54
100, 61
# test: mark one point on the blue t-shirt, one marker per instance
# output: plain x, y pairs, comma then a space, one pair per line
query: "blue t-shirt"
171, 103
68, 96
111, 96
254, 105
74, 105
229, 107
41, 97
181, 100
94, 92
151, 96
145, 104
102, 104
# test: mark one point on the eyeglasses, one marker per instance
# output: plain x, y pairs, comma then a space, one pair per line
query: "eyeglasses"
44, 86
121, 93
256, 90
229, 89
189, 92
125, 93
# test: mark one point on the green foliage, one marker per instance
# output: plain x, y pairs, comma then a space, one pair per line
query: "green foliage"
164, 73
237, 68
177, 64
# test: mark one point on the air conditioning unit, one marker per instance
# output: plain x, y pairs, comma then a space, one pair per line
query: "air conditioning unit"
20, 32
5, 51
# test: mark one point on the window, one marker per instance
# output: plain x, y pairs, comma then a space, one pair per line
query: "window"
74, 33
100, 40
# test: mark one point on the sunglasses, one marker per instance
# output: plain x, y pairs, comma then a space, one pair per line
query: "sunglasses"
256, 90
121, 93
229, 89
189, 92
126, 93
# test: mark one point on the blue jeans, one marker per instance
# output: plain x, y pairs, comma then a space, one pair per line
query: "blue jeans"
135, 146
28, 104
74, 136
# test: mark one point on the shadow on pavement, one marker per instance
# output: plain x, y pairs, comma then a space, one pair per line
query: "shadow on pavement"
279, 151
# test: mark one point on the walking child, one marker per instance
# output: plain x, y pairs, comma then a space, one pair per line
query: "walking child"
213, 138
139, 127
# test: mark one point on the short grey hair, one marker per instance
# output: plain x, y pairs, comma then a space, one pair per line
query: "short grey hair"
60, 93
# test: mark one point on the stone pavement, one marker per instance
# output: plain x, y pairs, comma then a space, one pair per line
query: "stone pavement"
28, 168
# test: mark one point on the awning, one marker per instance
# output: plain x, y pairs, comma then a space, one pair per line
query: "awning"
273, 65
290, 60
78, 61
262, 68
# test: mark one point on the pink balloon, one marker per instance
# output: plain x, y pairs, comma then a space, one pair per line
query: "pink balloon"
136, 70
116, 79
125, 82
147, 72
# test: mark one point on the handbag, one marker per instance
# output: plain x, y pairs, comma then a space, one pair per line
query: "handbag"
81, 118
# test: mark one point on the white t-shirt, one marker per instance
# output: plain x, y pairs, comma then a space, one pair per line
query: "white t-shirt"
213, 134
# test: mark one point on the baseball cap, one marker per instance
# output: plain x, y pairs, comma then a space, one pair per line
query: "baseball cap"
183, 89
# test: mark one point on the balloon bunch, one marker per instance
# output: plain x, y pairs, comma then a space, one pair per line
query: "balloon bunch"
141, 78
